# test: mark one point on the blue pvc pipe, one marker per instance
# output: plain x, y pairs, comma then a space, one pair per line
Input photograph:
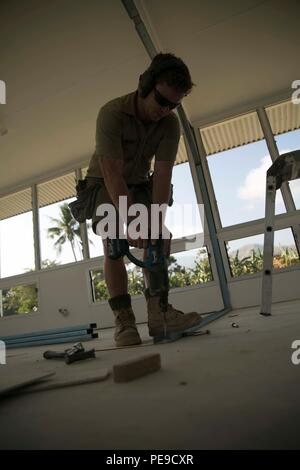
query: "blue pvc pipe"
53, 336
66, 329
67, 339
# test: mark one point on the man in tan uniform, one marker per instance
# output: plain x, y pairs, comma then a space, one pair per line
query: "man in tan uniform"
131, 130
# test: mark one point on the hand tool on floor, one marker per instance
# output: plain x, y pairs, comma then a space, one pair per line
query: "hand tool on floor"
76, 353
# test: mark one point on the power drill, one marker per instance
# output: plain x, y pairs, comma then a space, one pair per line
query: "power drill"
73, 354
155, 263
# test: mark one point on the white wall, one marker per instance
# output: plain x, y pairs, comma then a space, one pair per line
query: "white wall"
246, 292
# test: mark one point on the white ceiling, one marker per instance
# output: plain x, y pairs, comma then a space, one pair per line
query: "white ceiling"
62, 59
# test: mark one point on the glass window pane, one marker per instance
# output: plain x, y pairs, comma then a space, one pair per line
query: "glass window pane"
285, 251
98, 285
59, 234
246, 255
183, 218
189, 268
18, 300
186, 268
239, 181
60, 237
16, 245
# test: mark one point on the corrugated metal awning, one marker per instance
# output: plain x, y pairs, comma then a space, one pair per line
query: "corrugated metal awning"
50, 192
231, 133
284, 117
245, 129
15, 204
57, 190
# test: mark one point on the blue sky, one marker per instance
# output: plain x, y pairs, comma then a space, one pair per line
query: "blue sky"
239, 180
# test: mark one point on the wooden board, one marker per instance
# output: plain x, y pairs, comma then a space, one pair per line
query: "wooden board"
17, 379
81, 378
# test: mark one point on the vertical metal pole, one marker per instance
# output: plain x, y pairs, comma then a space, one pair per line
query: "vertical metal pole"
36, 227
191, 140
83, 229
266, 292
140, 27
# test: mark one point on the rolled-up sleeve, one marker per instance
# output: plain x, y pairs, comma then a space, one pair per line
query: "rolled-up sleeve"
168, 146
109, 133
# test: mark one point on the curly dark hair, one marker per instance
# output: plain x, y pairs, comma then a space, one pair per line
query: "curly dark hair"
177, 75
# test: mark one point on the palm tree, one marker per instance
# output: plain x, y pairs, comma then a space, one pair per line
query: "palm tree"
66, 229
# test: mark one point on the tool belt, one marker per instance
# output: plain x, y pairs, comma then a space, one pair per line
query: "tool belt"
86, 198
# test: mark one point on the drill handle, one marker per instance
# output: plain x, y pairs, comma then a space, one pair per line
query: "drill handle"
54, 355
116, 248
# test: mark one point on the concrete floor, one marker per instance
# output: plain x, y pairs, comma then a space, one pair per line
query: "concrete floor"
233, 389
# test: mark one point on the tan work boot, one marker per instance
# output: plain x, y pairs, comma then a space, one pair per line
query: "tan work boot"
172, 324
126, 333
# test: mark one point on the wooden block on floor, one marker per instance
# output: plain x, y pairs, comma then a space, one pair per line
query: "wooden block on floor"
134, 368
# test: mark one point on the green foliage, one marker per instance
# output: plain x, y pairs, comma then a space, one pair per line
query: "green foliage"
19, 299
47, 263
287, 257
179, 276
254, 262
99, 285
135, 281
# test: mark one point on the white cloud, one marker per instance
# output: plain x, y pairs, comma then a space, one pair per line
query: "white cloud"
254, 186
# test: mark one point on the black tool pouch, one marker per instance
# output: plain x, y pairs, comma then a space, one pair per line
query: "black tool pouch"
82, 208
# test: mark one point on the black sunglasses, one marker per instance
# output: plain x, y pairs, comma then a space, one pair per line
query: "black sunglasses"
163, 102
